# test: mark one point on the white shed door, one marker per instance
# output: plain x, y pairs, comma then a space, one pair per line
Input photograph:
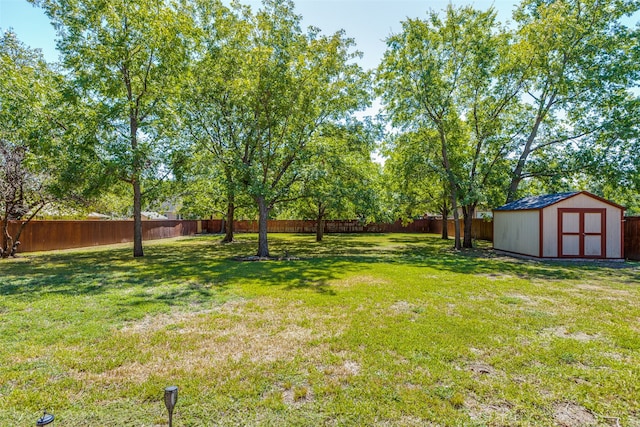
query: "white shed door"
581, 233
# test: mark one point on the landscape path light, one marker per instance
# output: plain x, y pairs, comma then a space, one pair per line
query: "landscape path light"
45, 420
170, 399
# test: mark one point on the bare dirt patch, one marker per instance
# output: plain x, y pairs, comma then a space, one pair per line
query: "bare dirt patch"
298, 395
341, 372
350, 367
573, 415
401, 307
481, 369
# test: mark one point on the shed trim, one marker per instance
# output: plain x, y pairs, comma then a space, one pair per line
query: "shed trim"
581, 233
553, 258
622, 220
541, 233
560, 197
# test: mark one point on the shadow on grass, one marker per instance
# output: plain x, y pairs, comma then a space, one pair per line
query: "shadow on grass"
440, 254
196, 269
185, 270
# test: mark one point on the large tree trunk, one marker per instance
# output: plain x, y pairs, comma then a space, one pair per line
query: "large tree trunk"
137, 220
445, 228
319, 229
135, 182
468, 212
6, 240
456, 220
444, 211
320, 224
231, 209
453, 188
263, 217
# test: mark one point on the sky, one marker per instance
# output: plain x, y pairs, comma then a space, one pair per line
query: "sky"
369, 22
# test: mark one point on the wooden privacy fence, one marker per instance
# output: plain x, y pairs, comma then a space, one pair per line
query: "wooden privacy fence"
331, 226
52, 235
632, 237
480, 229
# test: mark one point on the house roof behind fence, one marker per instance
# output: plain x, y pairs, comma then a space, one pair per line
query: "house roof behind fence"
536, 202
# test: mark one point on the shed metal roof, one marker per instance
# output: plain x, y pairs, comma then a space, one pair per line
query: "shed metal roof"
536, 202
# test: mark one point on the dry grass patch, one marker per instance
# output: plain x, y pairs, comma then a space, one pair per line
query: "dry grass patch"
297, 395
562, 332
258, 331
491, 413
604, 292
407, 421
497, 276
359, 280
393, 330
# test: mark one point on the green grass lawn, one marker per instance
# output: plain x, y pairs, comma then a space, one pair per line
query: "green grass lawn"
388, 330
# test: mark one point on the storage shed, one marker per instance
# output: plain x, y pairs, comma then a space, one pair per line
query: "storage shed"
574, 225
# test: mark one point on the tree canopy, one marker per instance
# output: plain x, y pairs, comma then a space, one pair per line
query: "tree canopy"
538, 104
40, 163
218, 107
125, 60
265, 91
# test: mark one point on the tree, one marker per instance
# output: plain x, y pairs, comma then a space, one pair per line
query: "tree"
616, 158
124, 58
341, 180
40, 164
581, 64
216, 112
451, 76
305, 82
415, 184
272, 91
22, 193
203, 190
26, 83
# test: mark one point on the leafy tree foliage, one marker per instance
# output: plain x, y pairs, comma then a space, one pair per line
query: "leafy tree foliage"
217, 113
581, 63
341, 181
125, 57
548, 101
25, 84
415, 184
272, 90
40, 165
449, 76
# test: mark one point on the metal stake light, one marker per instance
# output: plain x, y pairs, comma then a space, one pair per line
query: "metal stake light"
45, 420
170, 399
